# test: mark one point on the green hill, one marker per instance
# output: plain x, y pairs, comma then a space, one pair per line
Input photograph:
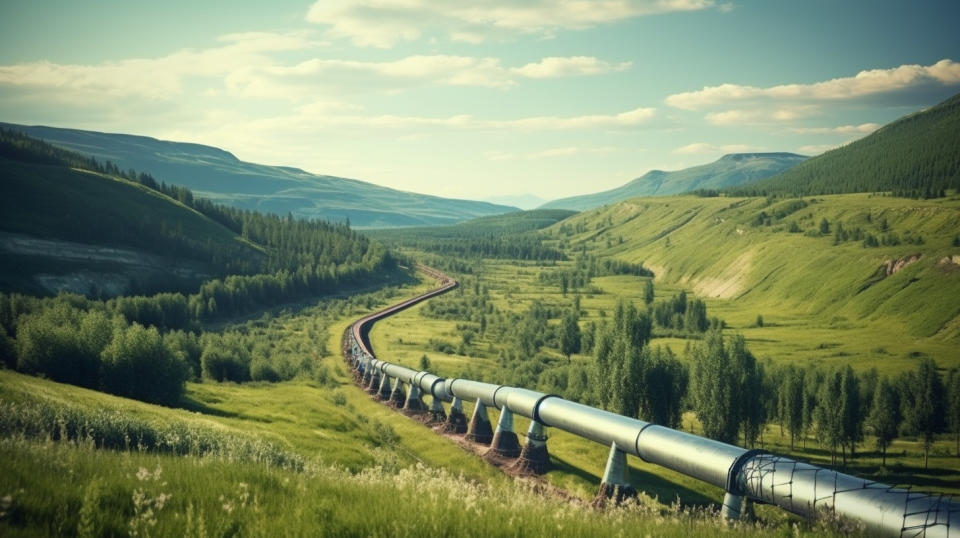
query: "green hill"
219, 176
91, 233
870, 280
70, 223
728, 171
916, 156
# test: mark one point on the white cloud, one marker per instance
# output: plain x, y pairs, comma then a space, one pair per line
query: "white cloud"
153, 78
875, 81
761, 114
570, 66
817, 149
568, 151
314, 117
383, 23
697, 148
864, 128
246, 67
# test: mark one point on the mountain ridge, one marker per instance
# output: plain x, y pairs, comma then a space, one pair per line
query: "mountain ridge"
222, 177
729, 170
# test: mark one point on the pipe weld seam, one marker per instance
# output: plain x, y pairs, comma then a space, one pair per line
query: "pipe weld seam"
536, 407
433, 391
636, 442
733, 485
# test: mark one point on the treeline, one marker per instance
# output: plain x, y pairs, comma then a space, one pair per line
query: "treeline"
839, 406
100, 344
915, 156
510, 236
681, 313
588, 266
517, 247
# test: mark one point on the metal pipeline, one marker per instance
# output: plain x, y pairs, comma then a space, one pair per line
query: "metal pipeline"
475, 391
800, 488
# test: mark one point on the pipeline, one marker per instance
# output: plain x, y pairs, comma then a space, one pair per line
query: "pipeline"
745, 475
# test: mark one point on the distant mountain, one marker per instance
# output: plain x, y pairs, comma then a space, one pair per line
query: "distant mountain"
218, 175
523, 201
917, 156
728, 171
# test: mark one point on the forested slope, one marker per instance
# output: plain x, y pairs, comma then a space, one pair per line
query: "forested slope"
915, 156
78, 224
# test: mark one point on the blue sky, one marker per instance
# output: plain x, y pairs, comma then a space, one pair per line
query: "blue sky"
480, 99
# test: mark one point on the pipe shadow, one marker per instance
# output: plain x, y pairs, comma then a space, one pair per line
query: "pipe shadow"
644, 481
656, 486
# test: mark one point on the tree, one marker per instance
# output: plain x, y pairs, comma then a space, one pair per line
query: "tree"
648, 291
884, 418
424, 363
953, 405
714, 390
137, 364
748, 390
791, 397
923, 404
829, 415
8, 357
824, 226
602, 351
851, 417
588, 337
665, 381
570, 334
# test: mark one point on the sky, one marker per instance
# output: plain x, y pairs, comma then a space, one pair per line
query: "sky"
480, 99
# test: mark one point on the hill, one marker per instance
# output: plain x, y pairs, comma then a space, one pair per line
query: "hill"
221, 177
67, 229
861, 279
728, 171
915, 156
69, 223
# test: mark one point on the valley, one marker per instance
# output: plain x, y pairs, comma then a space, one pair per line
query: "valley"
149, 335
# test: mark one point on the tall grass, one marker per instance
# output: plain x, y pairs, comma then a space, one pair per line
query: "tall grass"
112, 429
138, 494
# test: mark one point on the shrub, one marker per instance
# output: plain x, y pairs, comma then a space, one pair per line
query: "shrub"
137, 364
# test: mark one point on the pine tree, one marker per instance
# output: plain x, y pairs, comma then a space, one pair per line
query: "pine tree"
852, 419
953, 405
923, 404
884, 419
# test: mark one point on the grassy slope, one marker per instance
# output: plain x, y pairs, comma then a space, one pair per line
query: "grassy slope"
54, 202
113, 494
805, 287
